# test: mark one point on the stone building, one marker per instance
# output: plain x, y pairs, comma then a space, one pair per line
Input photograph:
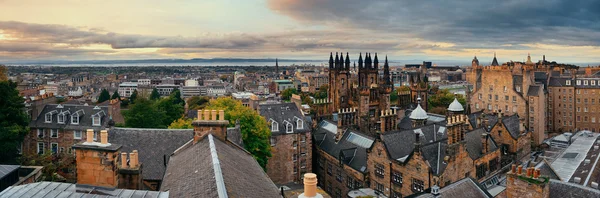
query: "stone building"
291, 142
574, 104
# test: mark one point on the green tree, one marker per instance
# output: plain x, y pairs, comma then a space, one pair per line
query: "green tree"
254, 128
181, 123
115, 96
306, 99
322, 93
442, 99
13, 121
133, 96
144, 114
197, 102
154, 95
176, 97
172, 110
104, 96
287, 94
394, 96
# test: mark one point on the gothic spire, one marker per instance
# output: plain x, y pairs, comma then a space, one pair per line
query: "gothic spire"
386, 72
347, 61
360, 61
376, 62
341, 65
337, 60
495, 61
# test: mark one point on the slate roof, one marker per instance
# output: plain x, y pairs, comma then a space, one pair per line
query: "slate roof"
512, 125
352, 145
283, 114
560, 189
152, 145
475, 146
547, 170
7, 169
511, 122
559, 82
464, 188
541, 77
533, 90
209, 166
85, 121
57, 189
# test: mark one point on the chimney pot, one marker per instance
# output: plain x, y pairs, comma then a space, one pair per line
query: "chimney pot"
206, 115
221, 115
103, 137
529, 172
536, 174
133, 159
199, 115
310, 185
520, 169
214, 115
514, 168
123, 160
90, 135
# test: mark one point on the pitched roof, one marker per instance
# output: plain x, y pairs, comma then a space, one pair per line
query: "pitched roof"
512, 125
400, 144
7, 169
283, 114
464, 188
57, 189
547, 170
210, 168
352, 145
570, 190
152, 145
533, 90
475, 146
85, 119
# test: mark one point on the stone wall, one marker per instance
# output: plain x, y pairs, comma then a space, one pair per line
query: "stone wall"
97, 168
329, 182
282, 168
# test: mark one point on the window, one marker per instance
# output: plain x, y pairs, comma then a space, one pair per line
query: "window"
294, 157
514, 98
593, 119
96, 120
491, 88
476, 105
585, 101
349, 182
496, 97
61, 119
578, 91
578, 82
62, 149
40, 133
578, 109
481, 171
585, 82
54, 147
294, 145
48, 118
274, 126
506, 98
397, 178
506, 108
289, 128
518, 89
480, 96
40, 148
593, 82
75, 119
54, 133
568, 82
302, 138
489, 107
273, 141
77, 135
300, 124
417, 185
338, 175
379, 170
379, 187
585, 109
578, 99
396, 194
493, 164
505, 89
578, 118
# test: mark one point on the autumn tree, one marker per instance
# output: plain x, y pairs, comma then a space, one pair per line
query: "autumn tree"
3, 73
254, 128
181, 123
442, 99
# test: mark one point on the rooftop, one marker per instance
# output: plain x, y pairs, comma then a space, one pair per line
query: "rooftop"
57, 189
571, 158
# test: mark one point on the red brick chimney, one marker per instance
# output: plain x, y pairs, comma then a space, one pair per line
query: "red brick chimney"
209, 122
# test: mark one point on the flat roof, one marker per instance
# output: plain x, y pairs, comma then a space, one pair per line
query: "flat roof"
569, 160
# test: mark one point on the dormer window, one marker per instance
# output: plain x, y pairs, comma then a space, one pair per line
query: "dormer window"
593, 82
299, 123
274, 125
96, 120
48, 118
74, 119
578, 82
585, 82
289, 128
568, 82
61, 119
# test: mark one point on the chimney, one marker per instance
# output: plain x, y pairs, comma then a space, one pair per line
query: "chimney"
210, 122
97, 162
484, 141
103, 137
89, 136
528, 185
310, 187
417, 143
130, 174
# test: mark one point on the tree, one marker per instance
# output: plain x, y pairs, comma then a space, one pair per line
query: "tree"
198, 102
154, 95
133, 96
287, 94
443, 98
13, 121
115, 96
52, 163
322, 93
176, 97
254, 128
394, 96
104, 96
172, 110
181, 123
3, 73
306, 99
144, 114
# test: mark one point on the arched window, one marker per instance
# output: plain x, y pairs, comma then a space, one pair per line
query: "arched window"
289, 128
300, 124
274, 125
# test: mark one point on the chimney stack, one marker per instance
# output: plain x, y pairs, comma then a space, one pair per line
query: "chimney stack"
97, 162
209, 123
104, 137
310, 187
90, 136
484, 141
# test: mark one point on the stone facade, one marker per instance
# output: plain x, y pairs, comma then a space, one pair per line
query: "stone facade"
574, 104
336, 178
97, 167
291, 157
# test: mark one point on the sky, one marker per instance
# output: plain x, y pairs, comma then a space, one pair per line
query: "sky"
567, 31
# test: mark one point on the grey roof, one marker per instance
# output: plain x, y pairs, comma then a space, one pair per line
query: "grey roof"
547, 170
512, 125
492, 119
85, 119
475, 146
191, 172
152, 145
464, 188
7, 169
559, 82
517, 79
352, 147
570, 190
533, 90
57, 189
283, 114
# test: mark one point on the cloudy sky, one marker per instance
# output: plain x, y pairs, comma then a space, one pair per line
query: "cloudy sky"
563, 30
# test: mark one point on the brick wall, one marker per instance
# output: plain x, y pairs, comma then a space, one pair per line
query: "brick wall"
282, 168
329, 182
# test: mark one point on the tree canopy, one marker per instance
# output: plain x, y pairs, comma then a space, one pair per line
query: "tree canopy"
254, 128
104, 96
287, 94
154, 95
322, 92
181, 123
13, 121
442, 99
144, 114
198, 102
3, 73
133, 96
115, 96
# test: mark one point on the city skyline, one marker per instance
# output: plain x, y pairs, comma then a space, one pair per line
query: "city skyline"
292, 29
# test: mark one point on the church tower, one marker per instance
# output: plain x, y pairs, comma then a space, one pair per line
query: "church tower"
386, 88
339, 86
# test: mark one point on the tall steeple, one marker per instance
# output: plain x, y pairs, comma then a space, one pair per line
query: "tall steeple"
341, 65
330, 60
360, 61
337, 60
376, 62
386, 72
276, 66
495, 61
347, 61
475, 61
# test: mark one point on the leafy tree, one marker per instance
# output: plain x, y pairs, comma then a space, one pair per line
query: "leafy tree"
287, 94
154, 95
254, 128
198, 102
181, 123
394, 96
172, 110
403, 88
144, 114
133, 96
443, 98
13, 121
104, 96
115, 96
322, 93
306, 99
52, 163
3, 73
176, 97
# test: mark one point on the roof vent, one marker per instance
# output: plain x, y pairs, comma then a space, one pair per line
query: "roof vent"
59, 106
435, 190
96, 108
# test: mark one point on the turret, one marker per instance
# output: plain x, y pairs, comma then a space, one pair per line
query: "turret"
331, 60
347, 61
360, 61
376, 62
341, 65
418, 116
